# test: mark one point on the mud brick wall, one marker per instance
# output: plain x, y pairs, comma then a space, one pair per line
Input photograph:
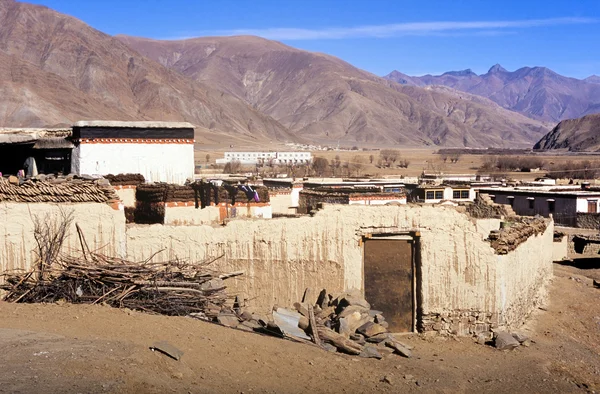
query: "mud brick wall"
588, 220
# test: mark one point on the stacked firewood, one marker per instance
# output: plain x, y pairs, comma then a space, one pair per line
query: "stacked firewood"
171, 288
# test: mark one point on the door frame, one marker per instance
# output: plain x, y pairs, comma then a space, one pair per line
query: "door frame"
414, 237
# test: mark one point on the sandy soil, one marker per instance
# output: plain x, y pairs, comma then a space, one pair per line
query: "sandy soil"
96, 349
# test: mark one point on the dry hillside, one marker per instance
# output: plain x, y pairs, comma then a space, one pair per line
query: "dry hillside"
536, 92
55, 69
322, 98
577, 135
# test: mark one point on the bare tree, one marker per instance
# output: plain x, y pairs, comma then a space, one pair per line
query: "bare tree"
371, 158
455, 157
50, 232
233, 167
207, 158
319, 165
356, 165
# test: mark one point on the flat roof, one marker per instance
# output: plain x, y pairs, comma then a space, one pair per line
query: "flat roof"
26, 135
546, 190
134, 125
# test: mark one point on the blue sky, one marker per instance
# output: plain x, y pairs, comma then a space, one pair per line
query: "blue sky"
415, 37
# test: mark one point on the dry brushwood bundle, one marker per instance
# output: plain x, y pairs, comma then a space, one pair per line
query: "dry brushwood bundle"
171, 288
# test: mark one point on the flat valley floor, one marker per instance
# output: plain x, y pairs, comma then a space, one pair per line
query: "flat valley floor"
97, 349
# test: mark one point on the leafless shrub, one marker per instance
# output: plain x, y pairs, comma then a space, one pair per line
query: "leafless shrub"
50, 232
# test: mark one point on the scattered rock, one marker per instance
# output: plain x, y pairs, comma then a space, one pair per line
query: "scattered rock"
505, 341
379, 338
329, 347
481, 338
370, 351
370, 329
399, 347
520, 337
228, 319
387, 379
167, 349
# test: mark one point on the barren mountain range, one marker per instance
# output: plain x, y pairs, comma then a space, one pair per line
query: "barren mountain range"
55, 69
575, 135
321, 98
536, 92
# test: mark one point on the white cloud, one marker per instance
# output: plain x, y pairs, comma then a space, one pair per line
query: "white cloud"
402, 29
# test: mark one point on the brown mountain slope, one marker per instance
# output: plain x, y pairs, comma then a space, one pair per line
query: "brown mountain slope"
577, 135
537, 92
322, 98
56, 69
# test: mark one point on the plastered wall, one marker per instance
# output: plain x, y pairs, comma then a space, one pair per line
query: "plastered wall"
281, 257
103, 228
463, 285
171, 163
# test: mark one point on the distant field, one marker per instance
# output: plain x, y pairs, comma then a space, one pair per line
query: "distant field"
420, 159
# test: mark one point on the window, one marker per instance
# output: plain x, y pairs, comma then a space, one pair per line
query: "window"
551, 206
456, 194
531, 202
429, 195
439, 194
464, 194
592, 206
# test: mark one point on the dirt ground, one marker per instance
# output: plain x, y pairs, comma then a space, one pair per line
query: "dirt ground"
97, 349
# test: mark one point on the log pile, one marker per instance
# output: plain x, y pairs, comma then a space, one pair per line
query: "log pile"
345, 323
56, 190
174, 288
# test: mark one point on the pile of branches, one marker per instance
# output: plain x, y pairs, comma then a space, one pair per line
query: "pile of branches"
175, 288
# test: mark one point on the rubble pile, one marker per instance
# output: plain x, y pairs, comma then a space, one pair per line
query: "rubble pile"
515, 233
345, 323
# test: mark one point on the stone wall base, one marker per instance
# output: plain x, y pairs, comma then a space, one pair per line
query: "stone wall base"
460, 323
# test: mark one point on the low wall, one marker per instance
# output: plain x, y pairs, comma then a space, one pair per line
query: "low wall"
560, 248
126, 195
186, 213
460, 272
281, 202
464, 286
588, 220
103, 228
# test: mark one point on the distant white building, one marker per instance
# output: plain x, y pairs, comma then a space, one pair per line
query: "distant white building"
275, 158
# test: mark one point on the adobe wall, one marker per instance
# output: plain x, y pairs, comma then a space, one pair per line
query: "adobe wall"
281, 202
126, 195
465, 286
103, 228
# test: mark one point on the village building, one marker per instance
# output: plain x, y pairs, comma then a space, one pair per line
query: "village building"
267, 158
437, 193
570, 206
428, 268
41, 150
160, 151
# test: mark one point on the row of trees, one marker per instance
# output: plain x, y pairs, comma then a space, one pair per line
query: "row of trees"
582, 169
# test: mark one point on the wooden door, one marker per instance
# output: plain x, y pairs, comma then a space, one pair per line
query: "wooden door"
388, 280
